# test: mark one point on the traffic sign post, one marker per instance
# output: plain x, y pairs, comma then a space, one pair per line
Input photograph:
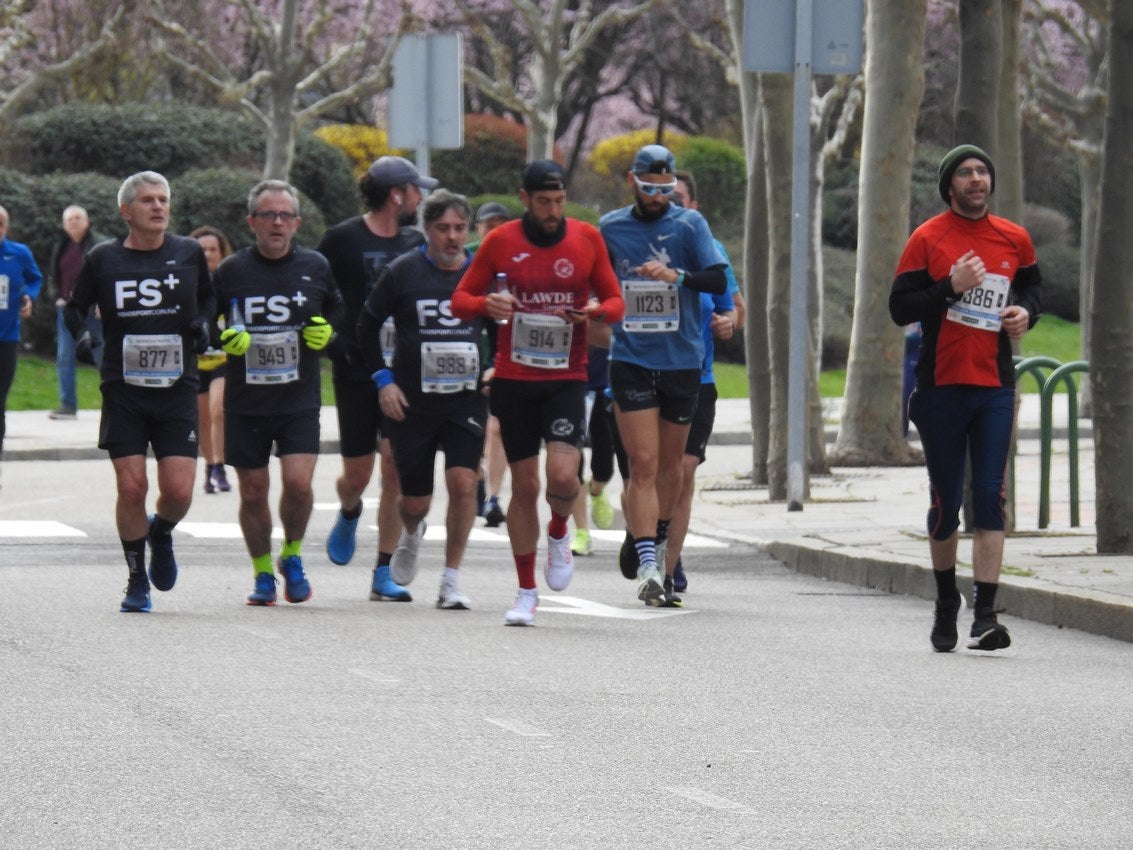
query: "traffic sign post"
804, 37
426, 103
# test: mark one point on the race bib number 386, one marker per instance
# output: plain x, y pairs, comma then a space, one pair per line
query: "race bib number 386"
980, 307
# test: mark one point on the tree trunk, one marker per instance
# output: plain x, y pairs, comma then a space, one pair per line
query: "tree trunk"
777, 123
1089, 176
816, 430
280, 152
1111, 350
981, 38
755, 259
870, 428
1009, 144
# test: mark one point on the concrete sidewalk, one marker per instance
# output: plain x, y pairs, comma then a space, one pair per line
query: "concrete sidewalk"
863, 526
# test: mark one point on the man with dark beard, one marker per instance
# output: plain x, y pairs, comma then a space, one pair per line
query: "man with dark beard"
359, 250
551, 265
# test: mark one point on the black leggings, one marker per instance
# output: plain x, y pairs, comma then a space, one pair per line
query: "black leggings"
7, 375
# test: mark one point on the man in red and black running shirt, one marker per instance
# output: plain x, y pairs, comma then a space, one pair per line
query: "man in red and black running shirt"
550, 264
971, 279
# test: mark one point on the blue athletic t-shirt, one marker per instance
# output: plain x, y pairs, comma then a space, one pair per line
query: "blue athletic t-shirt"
710, 304
680, 239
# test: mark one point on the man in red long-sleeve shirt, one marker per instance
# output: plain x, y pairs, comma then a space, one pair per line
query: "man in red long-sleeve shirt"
972, 281
550, 265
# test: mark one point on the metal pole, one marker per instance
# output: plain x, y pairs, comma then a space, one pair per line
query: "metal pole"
424, 118
800, 260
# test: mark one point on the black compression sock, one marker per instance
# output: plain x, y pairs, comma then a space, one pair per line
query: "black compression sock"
135, 551
946, 583
161, 526
353, 513
983, 595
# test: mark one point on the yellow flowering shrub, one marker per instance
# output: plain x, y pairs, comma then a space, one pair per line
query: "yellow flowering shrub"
361, 143
614, 156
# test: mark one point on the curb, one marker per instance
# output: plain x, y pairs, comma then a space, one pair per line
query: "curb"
1085, 610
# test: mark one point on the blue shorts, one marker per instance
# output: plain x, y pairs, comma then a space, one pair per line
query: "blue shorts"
955, 421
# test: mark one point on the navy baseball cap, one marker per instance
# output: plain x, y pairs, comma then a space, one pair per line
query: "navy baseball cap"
544, 175
654, 159
398, 171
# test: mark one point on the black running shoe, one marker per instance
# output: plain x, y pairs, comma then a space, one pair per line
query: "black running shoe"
162, 564
987, 633
494, 515
944, 635
627, 558
670, 599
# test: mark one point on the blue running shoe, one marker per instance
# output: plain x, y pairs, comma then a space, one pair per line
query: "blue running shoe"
136, 599
296, 588
384, 587
162, 564
340, 541
264, 593
680, 580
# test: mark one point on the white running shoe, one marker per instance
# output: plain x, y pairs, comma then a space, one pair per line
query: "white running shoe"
451, 599
560, 563
403, 563
523, 614
650, 589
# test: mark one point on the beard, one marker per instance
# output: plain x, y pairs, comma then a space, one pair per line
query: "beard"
407, 219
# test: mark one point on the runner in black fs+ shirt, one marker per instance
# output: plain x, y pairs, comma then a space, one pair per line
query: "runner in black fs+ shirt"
431, 395
153, 291
287, 305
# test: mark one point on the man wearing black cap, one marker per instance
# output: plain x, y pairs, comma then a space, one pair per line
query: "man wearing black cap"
551, 264
359, 249
665, 257
971, 279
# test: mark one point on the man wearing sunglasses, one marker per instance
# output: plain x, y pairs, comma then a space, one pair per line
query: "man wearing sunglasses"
281, 305
664, 255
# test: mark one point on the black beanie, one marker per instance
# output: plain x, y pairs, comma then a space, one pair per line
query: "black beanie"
952, 160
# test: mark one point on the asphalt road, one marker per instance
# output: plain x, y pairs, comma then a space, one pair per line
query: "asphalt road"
774, 710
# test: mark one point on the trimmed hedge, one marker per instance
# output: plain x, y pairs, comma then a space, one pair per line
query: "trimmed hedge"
172, 139
122, 140
493, 156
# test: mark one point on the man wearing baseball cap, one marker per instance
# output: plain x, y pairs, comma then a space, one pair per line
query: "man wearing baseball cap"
538, 390
665, 257
972, 281
359, 250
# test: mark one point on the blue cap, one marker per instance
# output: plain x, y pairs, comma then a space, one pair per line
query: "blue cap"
654, 159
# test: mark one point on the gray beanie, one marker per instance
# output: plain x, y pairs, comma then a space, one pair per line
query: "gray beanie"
951, 162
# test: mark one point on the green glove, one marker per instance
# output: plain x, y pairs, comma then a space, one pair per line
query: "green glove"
235, 341
317, 334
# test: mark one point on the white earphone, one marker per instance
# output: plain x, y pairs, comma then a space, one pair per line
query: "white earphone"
397, 199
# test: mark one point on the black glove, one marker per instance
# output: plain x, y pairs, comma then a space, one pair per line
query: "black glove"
85, 346
200, 330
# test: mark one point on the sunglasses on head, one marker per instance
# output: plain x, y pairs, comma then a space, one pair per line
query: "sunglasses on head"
654, 189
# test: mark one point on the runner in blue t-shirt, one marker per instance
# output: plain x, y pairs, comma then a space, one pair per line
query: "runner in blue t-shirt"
722, 317
665, 257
